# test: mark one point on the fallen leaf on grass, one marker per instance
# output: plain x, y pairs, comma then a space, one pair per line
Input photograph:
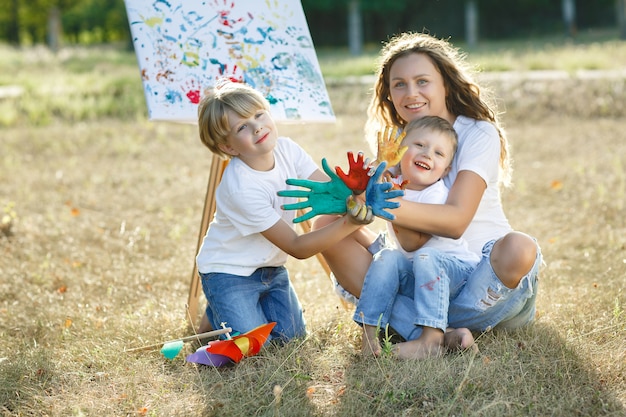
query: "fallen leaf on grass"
556, 185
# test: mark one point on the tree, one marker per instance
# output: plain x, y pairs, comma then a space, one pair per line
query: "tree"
569, 17
355, 27
55, 29
621, 17
13, 28
471, 23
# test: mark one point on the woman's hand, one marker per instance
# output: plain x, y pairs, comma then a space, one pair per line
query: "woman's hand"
389, 149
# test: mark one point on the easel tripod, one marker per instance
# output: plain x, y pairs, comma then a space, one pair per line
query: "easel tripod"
215, 175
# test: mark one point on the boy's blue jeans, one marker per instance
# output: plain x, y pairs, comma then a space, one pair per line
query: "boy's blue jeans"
420, 289
246, 302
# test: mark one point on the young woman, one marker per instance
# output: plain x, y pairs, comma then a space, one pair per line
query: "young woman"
420, 75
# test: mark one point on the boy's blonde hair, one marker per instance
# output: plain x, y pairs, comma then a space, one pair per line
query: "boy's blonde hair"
435, 124
213, 123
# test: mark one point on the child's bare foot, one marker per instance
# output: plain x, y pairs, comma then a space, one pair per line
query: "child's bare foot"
459, 339
428, 345
371, 345
205, 325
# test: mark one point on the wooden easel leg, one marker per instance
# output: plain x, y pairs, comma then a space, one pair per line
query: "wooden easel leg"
217, 170
215, 175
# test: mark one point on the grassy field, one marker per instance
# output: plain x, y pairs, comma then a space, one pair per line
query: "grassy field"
100, 217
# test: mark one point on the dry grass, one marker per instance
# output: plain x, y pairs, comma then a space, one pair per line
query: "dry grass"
100, 228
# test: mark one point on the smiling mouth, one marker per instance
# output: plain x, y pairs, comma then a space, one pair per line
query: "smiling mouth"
422, 165
415, 106
263, 138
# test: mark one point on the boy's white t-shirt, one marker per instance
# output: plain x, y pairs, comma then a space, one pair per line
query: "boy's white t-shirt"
436, 193
246, 205
479, 151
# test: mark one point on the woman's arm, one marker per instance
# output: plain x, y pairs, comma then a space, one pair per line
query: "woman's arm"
449, 219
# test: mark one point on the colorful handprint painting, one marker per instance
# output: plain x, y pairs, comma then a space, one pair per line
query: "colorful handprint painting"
184, 47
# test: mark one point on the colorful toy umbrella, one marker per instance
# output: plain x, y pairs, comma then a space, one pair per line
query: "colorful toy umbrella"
222, 352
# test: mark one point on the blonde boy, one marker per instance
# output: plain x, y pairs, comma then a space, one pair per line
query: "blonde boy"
242, 257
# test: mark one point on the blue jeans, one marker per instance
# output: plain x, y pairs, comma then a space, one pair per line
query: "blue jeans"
483, 303
246, 302
425, 285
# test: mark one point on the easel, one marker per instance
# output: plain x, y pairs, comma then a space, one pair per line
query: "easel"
215, 175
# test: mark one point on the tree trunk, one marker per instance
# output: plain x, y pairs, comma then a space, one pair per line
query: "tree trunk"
355, 28
471, 23
13, 30
569, 17
54, 29
621, 18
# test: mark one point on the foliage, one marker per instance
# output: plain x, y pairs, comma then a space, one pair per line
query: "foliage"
86, 84
98, 21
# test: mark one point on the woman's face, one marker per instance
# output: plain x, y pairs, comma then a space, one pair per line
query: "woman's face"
417, 88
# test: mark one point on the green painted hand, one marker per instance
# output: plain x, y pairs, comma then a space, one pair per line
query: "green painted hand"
321, 197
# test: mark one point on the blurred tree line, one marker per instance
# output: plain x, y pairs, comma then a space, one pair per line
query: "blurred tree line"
331, 22
495, 19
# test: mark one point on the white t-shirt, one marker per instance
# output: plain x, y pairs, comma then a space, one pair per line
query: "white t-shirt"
434, 194
246, 205
479, 152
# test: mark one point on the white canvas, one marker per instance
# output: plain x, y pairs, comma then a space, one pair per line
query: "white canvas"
184, 46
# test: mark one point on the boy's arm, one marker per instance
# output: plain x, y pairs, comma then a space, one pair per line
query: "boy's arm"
308, 244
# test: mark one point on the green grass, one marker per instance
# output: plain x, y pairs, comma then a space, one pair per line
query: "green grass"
87, 84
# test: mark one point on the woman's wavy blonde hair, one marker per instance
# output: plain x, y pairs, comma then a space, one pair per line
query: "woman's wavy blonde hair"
463, 95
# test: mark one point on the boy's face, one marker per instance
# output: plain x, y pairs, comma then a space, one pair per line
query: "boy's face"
252, 139
427, 158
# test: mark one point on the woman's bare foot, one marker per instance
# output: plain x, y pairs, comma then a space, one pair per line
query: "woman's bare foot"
459, 339
371, 345
428, 345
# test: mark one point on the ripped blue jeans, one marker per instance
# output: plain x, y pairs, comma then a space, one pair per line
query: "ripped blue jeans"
410, 293
482, 304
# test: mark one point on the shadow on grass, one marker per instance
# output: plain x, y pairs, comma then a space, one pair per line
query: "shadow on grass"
273, 383
25, 377
528, 372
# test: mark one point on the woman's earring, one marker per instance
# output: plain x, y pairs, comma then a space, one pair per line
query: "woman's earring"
388, 98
